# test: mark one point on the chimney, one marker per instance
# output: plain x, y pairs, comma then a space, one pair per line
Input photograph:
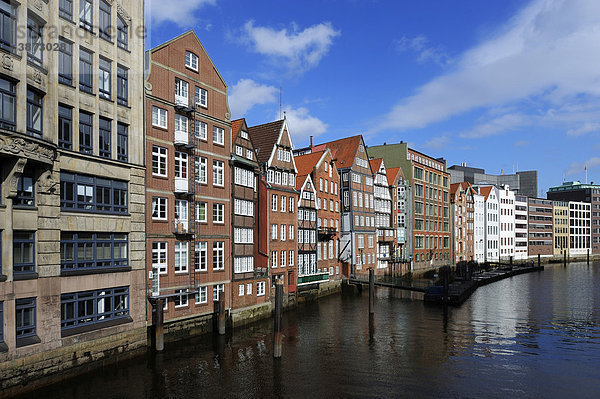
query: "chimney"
311, 144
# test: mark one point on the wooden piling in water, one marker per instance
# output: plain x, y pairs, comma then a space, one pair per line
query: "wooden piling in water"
158, 322
371, 291
539, 259
588, 256
277, 335
222, 316
565, 258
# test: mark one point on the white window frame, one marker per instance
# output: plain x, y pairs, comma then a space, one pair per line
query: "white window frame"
201, 294
201, 165
182, 298
191, 61
161, 117
159, 204
199, 248
219, 216
181, 248
218, 173
162, 253
217, 290
219, 252
198, 206
201, 129
260, 288
161, 157
218, 135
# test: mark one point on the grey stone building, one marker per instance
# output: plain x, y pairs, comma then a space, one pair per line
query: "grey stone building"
72, 186
523, 183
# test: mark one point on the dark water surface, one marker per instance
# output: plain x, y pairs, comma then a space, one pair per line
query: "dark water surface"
531, 336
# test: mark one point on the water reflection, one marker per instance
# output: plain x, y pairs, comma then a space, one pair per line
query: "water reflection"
534, 335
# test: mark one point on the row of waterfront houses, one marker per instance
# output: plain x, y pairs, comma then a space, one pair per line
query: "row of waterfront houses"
125, 185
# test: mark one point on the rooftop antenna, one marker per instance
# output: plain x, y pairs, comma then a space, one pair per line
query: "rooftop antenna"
586, 180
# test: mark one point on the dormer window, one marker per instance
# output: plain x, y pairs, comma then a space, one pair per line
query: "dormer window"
191, 60
244, 135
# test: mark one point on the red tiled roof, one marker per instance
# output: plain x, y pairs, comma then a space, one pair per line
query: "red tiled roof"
305, 163
236, 125
376, 164
264, 137
485, 191
392, 175
300, 179
343, 150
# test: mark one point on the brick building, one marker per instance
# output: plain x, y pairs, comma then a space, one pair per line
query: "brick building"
188, 194
308, 271
72, 187
462, 215
320, 166
248, 280
386, 234
430, 205
278, 199
540, 227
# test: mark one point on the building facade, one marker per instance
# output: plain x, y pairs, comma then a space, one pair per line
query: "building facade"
540, 227
72, 187
278, 193
430, 185
521, 226
580, 237
400, 221
386, 233
577, 191
309, 274
188, 193
463, 221
561, 227
523, 183
492, 222
507, 222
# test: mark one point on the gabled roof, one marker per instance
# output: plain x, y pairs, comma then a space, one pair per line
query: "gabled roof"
236, 125
376, 164
306, 163
343, 150
485, 191
265, 137
392, 175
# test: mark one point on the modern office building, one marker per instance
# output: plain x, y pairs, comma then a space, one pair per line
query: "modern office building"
561, 227
540, 227
521, 225
590, 193
523, 183
430, 208
188, 194
579, 228
72, 269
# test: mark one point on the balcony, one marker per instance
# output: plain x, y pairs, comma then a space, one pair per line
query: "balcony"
182, 103
313, 278
181, 185
181, 138
181, 227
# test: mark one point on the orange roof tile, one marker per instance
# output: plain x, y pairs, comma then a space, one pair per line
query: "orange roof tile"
305, 163
376, 164
236, 125
300, 179
392, 175
343, 150
485, 191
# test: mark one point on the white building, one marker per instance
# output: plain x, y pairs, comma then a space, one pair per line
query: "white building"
507, 222
479, 228
579, 228
492, 230
521, 227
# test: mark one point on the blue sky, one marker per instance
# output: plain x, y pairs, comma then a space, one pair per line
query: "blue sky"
503, 85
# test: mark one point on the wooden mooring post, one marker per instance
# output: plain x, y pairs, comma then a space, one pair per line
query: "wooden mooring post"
588, 256
511, 261
222, 316
565, 258
371, 291
277, 335
158, 322
539, 260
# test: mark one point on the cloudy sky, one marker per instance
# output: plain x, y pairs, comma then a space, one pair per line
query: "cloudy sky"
502, 85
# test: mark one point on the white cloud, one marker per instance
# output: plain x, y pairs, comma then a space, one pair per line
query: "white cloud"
301, 49
180, 12
302, 125
494, 126
584, 129
545, 55
246, 93
579, 167
437, 143
420, 45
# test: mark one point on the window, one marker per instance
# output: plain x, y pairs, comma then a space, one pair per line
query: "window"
200, 166
25, 319
249, 154
241, 290
34, 113
122, 142
122, 33
159, 208
243, 235
283, 258
86, 10
243, 207
90, 193
283, 200
8, 25
273, 259
238, 150
181, 300
218, 213
291, 208
159, 256
200, 256
260, 288
243, 177
65, 62
218, 135
200, 129
217, 290
86, 63
65, 9
201, 295
104, 28
201, 212
181, 165
181, 257
201, 97
218, 173
104, 78
23, 252
65, 127
291, 259
93, 251
159, 161
35, 44
181, 210
244, 135
122, 85
7, 103
93, 308
181, 92
104, 133
25, 193
243, 264
218, 255
191, 60
282, 232
159, 117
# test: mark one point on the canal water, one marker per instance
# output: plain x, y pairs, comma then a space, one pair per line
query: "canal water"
530, 336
